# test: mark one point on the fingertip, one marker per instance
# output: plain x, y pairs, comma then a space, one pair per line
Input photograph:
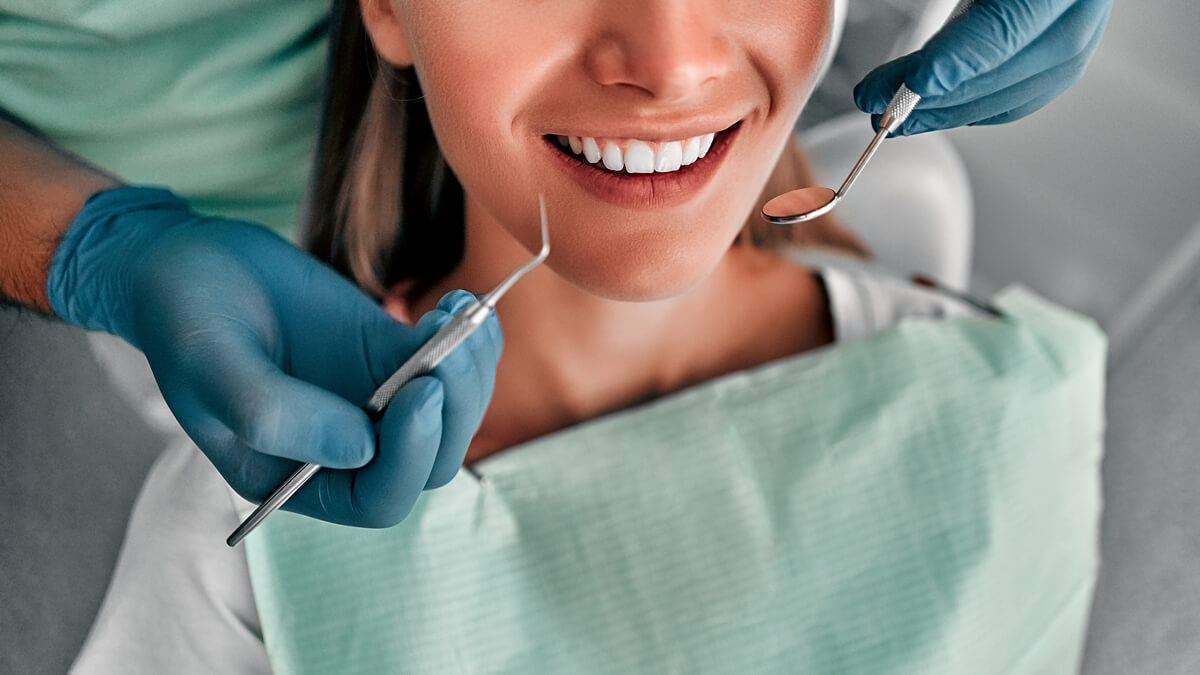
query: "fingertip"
867, 97
293, 419
454, 301
409, 438
441, 476
496, 332
860, 97
876, 90
417, 407
449, 305
345, 440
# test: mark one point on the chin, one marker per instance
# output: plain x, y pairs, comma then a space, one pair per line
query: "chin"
637, 273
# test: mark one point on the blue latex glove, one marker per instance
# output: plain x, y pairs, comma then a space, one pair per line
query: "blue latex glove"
998, 62
265, 355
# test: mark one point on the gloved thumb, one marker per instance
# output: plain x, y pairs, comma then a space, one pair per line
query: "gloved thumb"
246, 394
873, 93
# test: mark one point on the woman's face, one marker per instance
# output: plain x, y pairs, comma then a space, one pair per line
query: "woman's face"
643, 85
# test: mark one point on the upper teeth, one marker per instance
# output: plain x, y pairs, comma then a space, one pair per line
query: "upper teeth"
639, 156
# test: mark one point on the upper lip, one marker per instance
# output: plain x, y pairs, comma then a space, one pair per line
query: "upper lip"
648, 131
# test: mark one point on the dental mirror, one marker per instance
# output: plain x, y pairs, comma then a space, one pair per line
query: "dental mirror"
807, 203
800, 205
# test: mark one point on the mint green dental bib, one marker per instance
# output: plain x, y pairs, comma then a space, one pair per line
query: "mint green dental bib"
925, 500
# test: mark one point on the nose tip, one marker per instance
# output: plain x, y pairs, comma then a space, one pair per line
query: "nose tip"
670, 51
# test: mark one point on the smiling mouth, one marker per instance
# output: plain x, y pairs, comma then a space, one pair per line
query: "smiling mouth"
633, 157
675, 185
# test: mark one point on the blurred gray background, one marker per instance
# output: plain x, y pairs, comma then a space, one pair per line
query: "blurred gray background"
1093, 202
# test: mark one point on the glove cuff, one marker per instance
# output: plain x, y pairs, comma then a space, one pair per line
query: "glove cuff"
89, 272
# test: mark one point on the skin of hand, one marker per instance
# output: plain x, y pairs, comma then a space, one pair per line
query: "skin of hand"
634, 301
41, 189
265, 354
1000, 61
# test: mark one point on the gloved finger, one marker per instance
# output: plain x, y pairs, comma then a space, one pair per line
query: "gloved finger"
1043, 87
496, 335
1085, 23
1020, 111
387, 344
874, 91
468, 375
448, 463
383, 492
251, 474
346, 343
1032, 106
270, 412
1077, 32
990, 33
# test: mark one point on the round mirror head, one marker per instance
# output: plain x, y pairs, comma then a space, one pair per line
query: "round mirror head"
800, 205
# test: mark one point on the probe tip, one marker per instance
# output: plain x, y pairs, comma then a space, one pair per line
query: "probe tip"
545, 229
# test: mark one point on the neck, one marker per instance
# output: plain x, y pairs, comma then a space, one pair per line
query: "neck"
570, 356
546, 319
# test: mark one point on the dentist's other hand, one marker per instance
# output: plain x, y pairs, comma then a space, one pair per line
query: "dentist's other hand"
998, 62
265, 355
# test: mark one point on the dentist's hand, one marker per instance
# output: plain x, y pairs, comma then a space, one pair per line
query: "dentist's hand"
998, 62
265, 355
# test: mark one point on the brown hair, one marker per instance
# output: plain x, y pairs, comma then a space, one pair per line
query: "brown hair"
384, 207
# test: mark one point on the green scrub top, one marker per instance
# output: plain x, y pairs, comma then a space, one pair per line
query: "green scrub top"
216, 99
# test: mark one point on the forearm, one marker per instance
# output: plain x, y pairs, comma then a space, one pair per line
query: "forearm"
42, 187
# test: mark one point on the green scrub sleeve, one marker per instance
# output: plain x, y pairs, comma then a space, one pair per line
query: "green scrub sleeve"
217, 100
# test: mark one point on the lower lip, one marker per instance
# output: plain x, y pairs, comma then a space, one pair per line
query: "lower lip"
646, 190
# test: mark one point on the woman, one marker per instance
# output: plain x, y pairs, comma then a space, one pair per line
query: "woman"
619, 239
654, 283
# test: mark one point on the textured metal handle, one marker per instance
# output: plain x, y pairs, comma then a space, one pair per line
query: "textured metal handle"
426, 359
899, 108
428, 356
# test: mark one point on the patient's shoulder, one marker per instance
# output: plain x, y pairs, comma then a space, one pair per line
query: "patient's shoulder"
863, 301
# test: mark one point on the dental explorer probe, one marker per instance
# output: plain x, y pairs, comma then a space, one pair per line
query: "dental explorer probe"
458, 329
807, 203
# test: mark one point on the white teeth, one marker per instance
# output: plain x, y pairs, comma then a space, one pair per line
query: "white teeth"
591, 151
669, 157
691, 150
612, 158
639, 158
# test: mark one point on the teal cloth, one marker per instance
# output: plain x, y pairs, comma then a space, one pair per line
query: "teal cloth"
925, 500
216, 99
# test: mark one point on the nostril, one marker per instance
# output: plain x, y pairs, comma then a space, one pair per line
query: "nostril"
669, 55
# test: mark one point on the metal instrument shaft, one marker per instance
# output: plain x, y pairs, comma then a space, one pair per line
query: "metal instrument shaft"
423, 361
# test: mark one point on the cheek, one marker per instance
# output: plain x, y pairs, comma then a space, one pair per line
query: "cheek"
474, 85
790, 50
